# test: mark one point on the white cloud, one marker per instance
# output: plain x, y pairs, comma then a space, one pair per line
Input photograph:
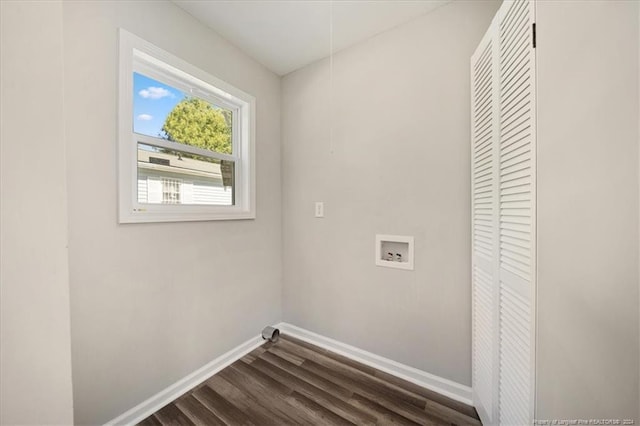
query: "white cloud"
155, 93
145, 117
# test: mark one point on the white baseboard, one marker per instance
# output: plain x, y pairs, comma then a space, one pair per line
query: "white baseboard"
429, 381
162, 398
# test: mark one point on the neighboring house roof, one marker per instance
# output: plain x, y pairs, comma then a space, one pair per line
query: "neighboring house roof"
173, 163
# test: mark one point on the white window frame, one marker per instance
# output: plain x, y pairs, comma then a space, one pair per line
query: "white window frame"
138, 55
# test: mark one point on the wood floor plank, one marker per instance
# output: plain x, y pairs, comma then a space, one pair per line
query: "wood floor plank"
340, 358
398, 405
274, 391
170, 415
450, 415
307, 376
292, 358
150, 421
355, 375
394, 388
261, 381
197, 412
266, 391
382, 414
429, 394
439, 399
254, 354
320, 414
258, 413
222, 408
292, 382
329, 401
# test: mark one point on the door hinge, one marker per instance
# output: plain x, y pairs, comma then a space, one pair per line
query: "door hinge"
533, 28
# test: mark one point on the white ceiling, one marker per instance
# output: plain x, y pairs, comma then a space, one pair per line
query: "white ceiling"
285, 35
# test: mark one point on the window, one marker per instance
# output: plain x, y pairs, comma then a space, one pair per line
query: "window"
186, 140
171, 191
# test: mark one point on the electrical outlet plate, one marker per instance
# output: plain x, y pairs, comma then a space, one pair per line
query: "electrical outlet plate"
319, 209
394, 251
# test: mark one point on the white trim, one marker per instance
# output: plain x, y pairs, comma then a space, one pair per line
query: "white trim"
533, 403
162, 398
429, 381
176, 146
136, 54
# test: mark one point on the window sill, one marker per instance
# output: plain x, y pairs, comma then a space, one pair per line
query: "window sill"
154, 217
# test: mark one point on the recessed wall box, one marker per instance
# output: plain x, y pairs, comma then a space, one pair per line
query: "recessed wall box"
394, 251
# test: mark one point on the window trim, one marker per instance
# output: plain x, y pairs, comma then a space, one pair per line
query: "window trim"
138, 55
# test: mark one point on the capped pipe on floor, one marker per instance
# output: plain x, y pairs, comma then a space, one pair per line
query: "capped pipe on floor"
271, 334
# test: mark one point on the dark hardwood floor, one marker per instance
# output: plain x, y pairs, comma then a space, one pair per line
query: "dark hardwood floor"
292, 383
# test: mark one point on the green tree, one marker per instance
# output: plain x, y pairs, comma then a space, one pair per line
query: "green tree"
195, 122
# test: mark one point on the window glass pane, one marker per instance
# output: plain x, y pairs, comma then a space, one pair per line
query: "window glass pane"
162, 111
174, 177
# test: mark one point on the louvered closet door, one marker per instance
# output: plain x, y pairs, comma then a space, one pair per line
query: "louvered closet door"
484, 154
516, 212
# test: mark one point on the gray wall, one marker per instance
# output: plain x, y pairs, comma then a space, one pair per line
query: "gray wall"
396, 161
587, 210
151, 303
35, 354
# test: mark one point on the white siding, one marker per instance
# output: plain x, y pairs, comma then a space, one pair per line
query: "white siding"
205, 192
186, 193
193, 191
142, 190
154, 189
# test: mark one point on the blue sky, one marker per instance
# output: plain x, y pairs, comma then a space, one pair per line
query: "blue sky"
152, 102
